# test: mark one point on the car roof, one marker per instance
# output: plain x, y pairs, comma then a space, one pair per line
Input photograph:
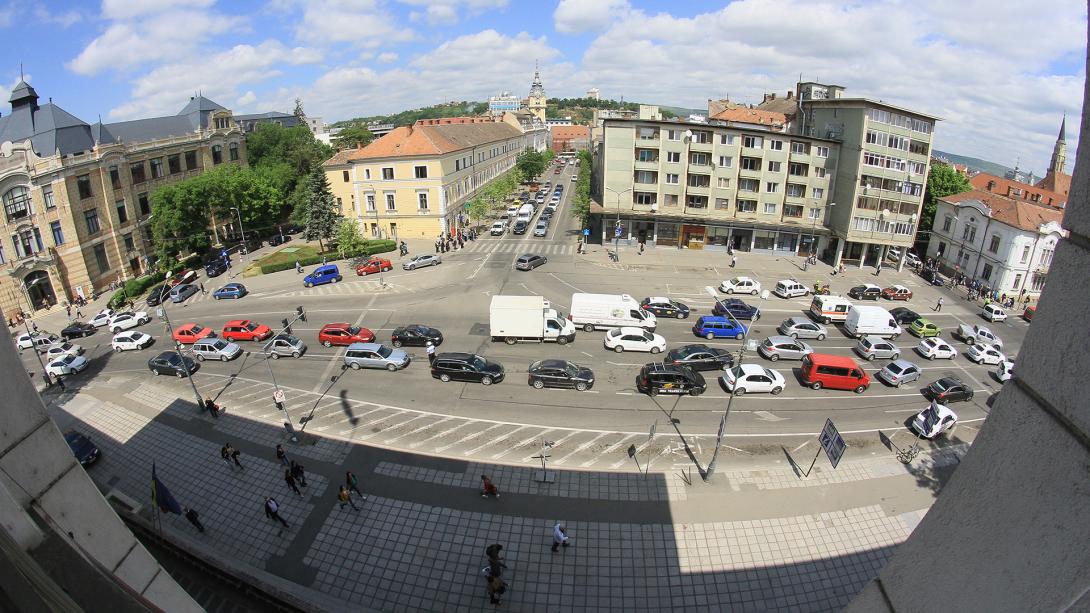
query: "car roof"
714, 319
455, 355
188, 326
902, 363
833, 360
365, 346
550, 363
924, 321
658, 299
897, 287
777, 338
336, 326
209, 340
237, 322
798, 319
869, 286
872, 339
752, 369
629, 330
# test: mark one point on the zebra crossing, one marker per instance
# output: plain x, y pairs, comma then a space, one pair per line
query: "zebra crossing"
357, 288
519, 247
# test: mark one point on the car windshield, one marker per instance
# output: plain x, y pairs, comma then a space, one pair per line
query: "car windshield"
478, 362
736, 281
196, 330
353, 330
571, 369
251, 326
68, 359
220, 344
770, 374
894, 368
385, 351
943, 384
736, 372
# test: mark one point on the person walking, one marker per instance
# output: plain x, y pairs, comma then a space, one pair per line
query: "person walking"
560, 536
272, 511
431, 352
233, 454
225, 454
194, 518
345, 498
79, 313
212, 407
353, 484
495, 562
488, 488
733, 260
68, 310
204, 292
290, 480
938, 305
299, 474
298, 267
437, 245
283, 457
496, 588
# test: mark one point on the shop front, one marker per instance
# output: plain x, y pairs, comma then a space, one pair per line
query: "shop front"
693, 236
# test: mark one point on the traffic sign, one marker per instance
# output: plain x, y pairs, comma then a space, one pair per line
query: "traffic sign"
278, 396
832, 442
651, 432
586, 231
617, 232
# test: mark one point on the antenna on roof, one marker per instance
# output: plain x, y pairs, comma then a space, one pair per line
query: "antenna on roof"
21, 71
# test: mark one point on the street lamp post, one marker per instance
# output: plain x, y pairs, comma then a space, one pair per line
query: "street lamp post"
178, 350
741, 353
243, 232
813, 239
616, 228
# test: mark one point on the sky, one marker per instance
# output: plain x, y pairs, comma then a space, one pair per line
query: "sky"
1000, 73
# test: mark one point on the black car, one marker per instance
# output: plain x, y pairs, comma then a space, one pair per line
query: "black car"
530, 261
168, 363
700, 357
520, 227
659, 378
664, 307
215, 267
291, 229
904, 316
82, 447
737, 308
465, 367
278, 239
560, 373
158, 294
947, 390
865, 292
933, 277
415, 335
77, 330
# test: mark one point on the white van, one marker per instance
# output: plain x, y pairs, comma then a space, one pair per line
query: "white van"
789, 288
594, 311
993, 312
871, 320
828, 309
525, 213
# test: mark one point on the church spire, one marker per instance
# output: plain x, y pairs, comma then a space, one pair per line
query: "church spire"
1059, 151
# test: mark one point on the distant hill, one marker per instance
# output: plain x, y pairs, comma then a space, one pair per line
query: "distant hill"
977, 164
407, 118
682, 111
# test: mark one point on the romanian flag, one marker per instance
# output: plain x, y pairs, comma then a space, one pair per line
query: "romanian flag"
161, 496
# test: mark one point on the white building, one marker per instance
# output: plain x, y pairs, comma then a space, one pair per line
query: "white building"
594, 93
1004, 243
498, 105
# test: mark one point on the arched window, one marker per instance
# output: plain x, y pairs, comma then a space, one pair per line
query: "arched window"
17, 203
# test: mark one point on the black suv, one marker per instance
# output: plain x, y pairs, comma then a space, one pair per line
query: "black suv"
158, 294
700, 357
465, 367
520, 227
215, 268
415, 335
77, 330
168, 363
670, 379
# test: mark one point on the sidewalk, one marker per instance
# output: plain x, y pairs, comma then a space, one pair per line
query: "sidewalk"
760, 539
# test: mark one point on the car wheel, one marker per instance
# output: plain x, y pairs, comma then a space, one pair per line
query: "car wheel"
816, 385
870, 357
327, 343
308, 284
588, 327
794, 335
754, 292
618, 349
681, 315
709, 336
154, 372
931, 357
739, 336
581, 387
486, 380
538, 384
445, 378
200, 358
895, 356
696, 391
275, 356
775, 357
334, 280
355, 365
391, 367
223, 358
387, 269
180, 374
397, 343
655, 350
510, 340
826, 321
776, 390
740, 391
900, 385
730, 290
860, 389
560, 340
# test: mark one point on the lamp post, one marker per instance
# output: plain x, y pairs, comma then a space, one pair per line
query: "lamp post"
616, 228
243, 232
33, 347
813, 239
741, 353
178, 350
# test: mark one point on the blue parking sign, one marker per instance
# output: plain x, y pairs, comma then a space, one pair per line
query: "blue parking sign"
586, 231
617, 232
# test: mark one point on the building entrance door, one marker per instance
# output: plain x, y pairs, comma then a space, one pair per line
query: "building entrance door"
40, 289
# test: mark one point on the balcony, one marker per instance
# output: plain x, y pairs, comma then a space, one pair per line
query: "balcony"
644, 165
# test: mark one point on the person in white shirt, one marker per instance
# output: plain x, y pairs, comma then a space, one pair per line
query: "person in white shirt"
431, 352
560, 536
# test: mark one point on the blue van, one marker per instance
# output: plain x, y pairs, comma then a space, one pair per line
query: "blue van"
322, 275
710, 327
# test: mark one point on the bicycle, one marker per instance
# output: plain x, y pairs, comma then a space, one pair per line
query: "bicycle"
907, 455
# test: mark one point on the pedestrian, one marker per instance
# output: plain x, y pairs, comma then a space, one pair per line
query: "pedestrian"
68, 310
79, 313
733, 260
641, 248
298, 267
132, 304
272, 511
298, 472
431, 352
204, 292
290, 480
1027, 302
495, 562
194, 518
283, 457
353, 484
437, 245
938, 305
34, 325
878, 269
488, 488
212, 407
496, 588
560, 536
225, 454
234, 453
345, 498
60, 383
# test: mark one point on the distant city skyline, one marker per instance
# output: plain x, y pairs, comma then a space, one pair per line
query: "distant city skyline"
1001, 102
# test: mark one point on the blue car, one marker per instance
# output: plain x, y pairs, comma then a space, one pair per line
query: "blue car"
231, 290
322, 275
711, 326
737, 308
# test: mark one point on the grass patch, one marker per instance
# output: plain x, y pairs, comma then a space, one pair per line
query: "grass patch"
297, 252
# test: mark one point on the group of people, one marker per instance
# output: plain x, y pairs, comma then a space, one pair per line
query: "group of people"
449, 242
493, 573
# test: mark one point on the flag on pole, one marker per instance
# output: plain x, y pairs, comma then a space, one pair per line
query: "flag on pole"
161, 496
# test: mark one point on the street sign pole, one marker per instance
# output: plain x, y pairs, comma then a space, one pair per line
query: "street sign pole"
650, 437
832, 443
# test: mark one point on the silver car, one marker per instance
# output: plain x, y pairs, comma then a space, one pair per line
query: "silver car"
215, 349
801, 327
375, 355
870, 347
285, 345
777, 347
541, 229
899, 372
420, 261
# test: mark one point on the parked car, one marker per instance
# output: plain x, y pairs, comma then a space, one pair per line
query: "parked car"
974, 334
498, 228
245, 330
344, 334
179, 293
215, 349
870, 347
85, 451
466, 367
41, 341
714, 326
993, 312
541, 229
131, 340
933, 277
375, 355
801, 327
168, 363
700, 357
898, 373
897, 292
530, 261
664, 307
935, 420
101, 318
373, 265
935, 348
77, 330
215, 268
947, 390
924, 328
752, 378
520, 227
985, 354
867, 291
130, 319
737, 308
634, 339
838, 372
183, 277
740, 285
776, 347
903, 316
191, 333
559, 373
231, 290
59, 350
790, 288
1004, 371
656, 378
157, 295
278, 239
66, 365
415, 335
285, 345
422, 260
328, 273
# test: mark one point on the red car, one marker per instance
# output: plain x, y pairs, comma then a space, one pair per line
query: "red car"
191, 333
897, 292
374, 265
344, 334
183, 276
245, 330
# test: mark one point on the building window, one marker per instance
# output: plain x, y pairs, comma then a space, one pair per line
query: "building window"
217, 154
1017, 281
420, 172
673, 157
115, 177
821, 152
969, 233
344, 176
142, 202
994, 245
422, 201
3, 259
370, 202
800, 148
726, 139
157, 168
794, 190
25, 242
748, 185
91, 217
136, 170
775, 145
670, 199
797, 170
700, 181
792, 210
722, 182
390, 204
122, 212
83, 185
946, 222
671, 179
190, 160
100, 257
129, 245
753, 142
700, 202
1025, 254
817, 192
700, 159
232, 151
647, 155
751, 164
726, 161
1046, 257
819, 172
673, 134
646, 176
747, 206
772, 187
17, 203
987, 272
387, 174
774, 166
644, 198
47, 195
815, 213
648, 133
722, 204
174, 164
770, 208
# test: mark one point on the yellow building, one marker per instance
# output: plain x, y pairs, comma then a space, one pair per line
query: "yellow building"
415, 181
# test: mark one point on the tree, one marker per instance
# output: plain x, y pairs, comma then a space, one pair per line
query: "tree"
350, 240
581, 204
179, 222
478, 209
530, 164
322, 214
351, 136
942, 181
284, 156
298, 111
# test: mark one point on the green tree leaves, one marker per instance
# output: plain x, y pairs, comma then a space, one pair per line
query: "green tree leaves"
352, 135
321, 212
530, 164
350, 240
942, 181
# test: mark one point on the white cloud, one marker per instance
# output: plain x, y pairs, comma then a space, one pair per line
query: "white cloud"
246, 99
575, 16
387, 57
446, 12
63, 19
128, 9
363, 23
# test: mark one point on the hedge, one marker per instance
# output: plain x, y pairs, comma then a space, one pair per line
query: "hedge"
371, 248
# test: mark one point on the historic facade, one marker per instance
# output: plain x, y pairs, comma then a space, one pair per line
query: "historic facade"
535, 102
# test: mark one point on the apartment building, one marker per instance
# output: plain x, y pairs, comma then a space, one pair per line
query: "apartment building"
416, 180
711, 185
77, 196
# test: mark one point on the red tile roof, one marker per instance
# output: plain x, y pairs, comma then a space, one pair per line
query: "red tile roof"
1059, 183
570, 132
754, 116
431, 137
1017, 190
1015, 213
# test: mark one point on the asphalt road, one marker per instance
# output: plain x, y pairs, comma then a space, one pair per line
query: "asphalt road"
506, 422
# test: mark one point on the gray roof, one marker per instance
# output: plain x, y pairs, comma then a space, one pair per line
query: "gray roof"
143, 130
259, 116
48, 127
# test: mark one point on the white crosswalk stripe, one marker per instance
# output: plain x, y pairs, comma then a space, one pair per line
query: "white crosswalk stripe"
520, 247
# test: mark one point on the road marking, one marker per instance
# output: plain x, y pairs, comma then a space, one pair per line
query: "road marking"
440, 434
805, 443
578, 449
420, 429
466, 438
496, 440
340, 352
553, 275
556, 444
525, 441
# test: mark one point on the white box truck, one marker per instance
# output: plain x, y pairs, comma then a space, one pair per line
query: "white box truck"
871, 320
526, 213
528, 319
591, 311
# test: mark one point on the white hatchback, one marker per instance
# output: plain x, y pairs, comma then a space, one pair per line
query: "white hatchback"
748, 378
936, 348
993, 312
985, 354
62, 349
124, 321
740, 285
634, 339
101, 318
66, 365
130, 340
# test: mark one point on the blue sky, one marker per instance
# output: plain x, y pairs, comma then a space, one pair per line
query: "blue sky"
1000, 73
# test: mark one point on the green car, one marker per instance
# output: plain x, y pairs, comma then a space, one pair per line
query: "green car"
923, 328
